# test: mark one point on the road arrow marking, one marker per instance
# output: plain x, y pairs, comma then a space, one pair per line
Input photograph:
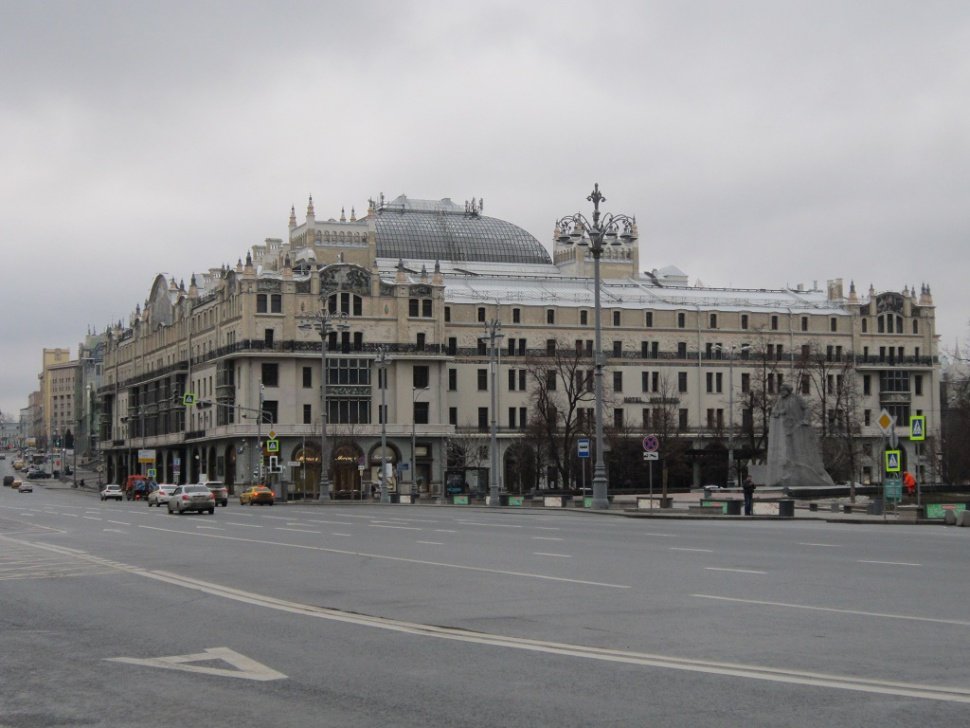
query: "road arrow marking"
242, 666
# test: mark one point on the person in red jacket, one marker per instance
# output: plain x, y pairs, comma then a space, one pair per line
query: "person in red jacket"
909, 481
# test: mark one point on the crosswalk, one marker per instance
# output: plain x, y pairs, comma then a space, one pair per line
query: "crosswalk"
21, 561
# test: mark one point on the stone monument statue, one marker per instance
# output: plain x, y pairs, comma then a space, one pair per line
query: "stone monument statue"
794, 458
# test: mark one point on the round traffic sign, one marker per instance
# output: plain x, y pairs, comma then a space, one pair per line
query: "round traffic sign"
651, 443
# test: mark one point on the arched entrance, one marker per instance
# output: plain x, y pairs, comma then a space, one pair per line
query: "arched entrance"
347, 459
306, 477
392, 458
520, 468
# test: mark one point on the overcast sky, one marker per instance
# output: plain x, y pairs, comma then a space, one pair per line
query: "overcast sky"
759, 144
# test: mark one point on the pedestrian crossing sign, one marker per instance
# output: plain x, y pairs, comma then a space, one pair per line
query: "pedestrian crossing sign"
917, 428
892, 461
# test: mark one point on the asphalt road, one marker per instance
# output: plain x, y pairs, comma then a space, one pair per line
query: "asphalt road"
117, 614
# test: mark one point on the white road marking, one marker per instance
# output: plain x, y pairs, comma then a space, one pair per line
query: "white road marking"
432, 543
830, 545
543, 553
835, 610
746, 671
113, 530
87, 518
700, 551
741, 670
490, 525
736, 571
120, 523
297, 530
211, 528
244, 525
400, 528
330, 523
547, 528
547, 538
398, 559
445, 530
889, 563
243, 666
335, 533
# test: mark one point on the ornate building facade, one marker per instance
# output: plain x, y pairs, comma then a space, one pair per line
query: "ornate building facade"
418, 283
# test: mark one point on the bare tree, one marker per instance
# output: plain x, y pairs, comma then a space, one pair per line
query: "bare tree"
955, 429
836, 404
758, 398
561, 395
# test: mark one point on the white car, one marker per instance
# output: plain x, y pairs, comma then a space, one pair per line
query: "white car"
192, 497
25, 487
161, 494
112, 491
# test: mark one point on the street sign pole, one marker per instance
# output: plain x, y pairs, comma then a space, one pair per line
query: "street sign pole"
651, 483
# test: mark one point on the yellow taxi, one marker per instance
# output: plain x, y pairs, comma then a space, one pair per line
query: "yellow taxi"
257, 494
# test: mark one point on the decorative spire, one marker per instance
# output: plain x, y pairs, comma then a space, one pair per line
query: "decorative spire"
853, 298
353, 215
292, 216
343, 216
309, 208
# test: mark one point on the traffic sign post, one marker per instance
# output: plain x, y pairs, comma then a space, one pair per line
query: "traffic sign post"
917, 434
582, 450
651, 444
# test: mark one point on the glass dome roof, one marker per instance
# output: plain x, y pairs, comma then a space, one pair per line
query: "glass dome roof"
442, 230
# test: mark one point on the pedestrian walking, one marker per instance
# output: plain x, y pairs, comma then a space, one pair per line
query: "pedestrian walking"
748, 489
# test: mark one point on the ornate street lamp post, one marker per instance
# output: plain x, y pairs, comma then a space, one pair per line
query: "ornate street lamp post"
492, 330
577, 230
382, 383
731, 351
324, 322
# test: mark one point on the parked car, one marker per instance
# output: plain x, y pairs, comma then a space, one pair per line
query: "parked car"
112, 491
25, 486
220, 491
161, 494
8, 480
257, 494
37, 474
192, 497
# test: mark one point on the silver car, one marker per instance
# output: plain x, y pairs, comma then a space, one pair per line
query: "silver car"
192, 497
161, 494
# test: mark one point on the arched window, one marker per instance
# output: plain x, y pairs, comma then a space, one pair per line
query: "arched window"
344, 302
